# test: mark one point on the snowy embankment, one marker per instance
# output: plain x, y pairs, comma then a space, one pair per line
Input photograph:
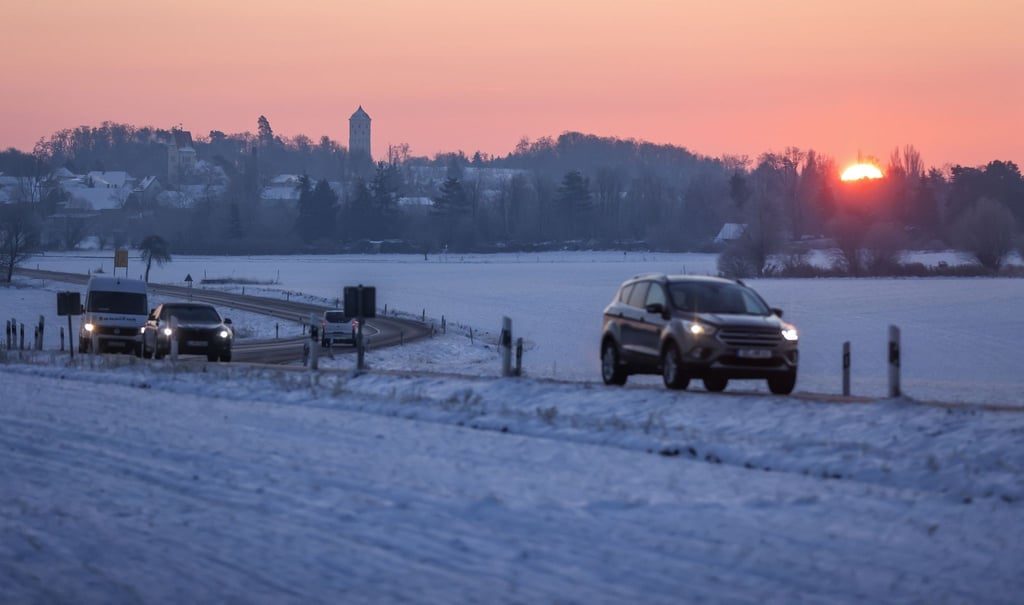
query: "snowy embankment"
127, 480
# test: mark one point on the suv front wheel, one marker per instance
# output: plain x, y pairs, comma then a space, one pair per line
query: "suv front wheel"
672, 370
611, 371
782, 384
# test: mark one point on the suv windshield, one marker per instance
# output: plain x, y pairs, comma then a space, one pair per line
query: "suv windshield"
706, 297
117, 302
201, 314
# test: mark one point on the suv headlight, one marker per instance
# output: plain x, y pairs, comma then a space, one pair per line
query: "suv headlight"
789, 332
167, 332
698, 329
89, 327
224, 334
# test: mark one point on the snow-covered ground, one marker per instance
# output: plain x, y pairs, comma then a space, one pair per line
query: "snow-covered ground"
126, 480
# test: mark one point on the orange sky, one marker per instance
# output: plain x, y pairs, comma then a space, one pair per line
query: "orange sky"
736, 77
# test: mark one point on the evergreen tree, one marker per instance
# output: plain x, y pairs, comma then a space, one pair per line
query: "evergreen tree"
452, 211
264, 133
574, 203
318, 207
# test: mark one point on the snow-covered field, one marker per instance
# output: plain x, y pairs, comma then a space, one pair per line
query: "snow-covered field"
960, 337
126, 480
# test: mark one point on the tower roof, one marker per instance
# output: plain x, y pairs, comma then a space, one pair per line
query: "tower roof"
360, 114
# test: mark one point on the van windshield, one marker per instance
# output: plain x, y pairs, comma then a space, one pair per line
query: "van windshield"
117, 302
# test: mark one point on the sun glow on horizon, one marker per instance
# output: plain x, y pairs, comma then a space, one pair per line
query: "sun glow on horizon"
857, 172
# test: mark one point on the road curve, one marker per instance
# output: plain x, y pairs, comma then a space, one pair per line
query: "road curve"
383, 331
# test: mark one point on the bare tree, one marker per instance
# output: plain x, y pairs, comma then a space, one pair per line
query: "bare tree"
883, 244
848, 234
19, 232
986, 231
154, 249
75, 229
764, 235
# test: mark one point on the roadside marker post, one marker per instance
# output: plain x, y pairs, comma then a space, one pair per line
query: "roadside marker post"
846, 369
505, 342
314, 346
894, 361
174, 338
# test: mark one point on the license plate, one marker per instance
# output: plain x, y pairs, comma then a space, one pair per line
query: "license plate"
754, 353
197, 343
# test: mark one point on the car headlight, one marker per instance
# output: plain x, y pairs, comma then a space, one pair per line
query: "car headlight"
167, 332
698, 329
224, 334
790, 333
89, 327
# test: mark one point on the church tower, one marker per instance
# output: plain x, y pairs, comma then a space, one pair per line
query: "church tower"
359, 134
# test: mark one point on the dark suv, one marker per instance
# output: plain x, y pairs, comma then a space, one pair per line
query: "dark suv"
683, 327
197, 327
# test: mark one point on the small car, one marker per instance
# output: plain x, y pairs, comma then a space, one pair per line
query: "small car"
335, 327
686, 326
198, 328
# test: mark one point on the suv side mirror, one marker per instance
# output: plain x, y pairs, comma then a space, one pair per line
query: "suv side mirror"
656, 308
227, 321
777, 311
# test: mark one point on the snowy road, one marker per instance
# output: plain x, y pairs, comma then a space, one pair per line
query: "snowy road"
153, 484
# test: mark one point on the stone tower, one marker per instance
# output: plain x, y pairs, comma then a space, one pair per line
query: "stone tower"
359, 134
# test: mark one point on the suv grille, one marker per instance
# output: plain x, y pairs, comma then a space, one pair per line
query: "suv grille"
750, 337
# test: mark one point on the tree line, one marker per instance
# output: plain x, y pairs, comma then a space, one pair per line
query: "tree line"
573, 191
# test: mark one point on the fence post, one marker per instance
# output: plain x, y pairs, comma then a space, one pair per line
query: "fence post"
846, 369
505, 343
42, 330
894, 361
174, 338
360, 347
519, 356
21, 345
62, 339
314, 345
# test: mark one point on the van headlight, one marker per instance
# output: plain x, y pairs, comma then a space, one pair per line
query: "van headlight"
789, 333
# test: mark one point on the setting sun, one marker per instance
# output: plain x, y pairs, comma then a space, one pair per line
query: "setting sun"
861, 171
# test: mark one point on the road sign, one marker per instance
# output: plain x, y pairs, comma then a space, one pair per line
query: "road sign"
360, 301
69, 303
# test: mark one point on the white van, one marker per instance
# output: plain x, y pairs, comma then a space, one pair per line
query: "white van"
114, 312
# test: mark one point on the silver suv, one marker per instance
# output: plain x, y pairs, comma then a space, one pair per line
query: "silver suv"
685, 326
